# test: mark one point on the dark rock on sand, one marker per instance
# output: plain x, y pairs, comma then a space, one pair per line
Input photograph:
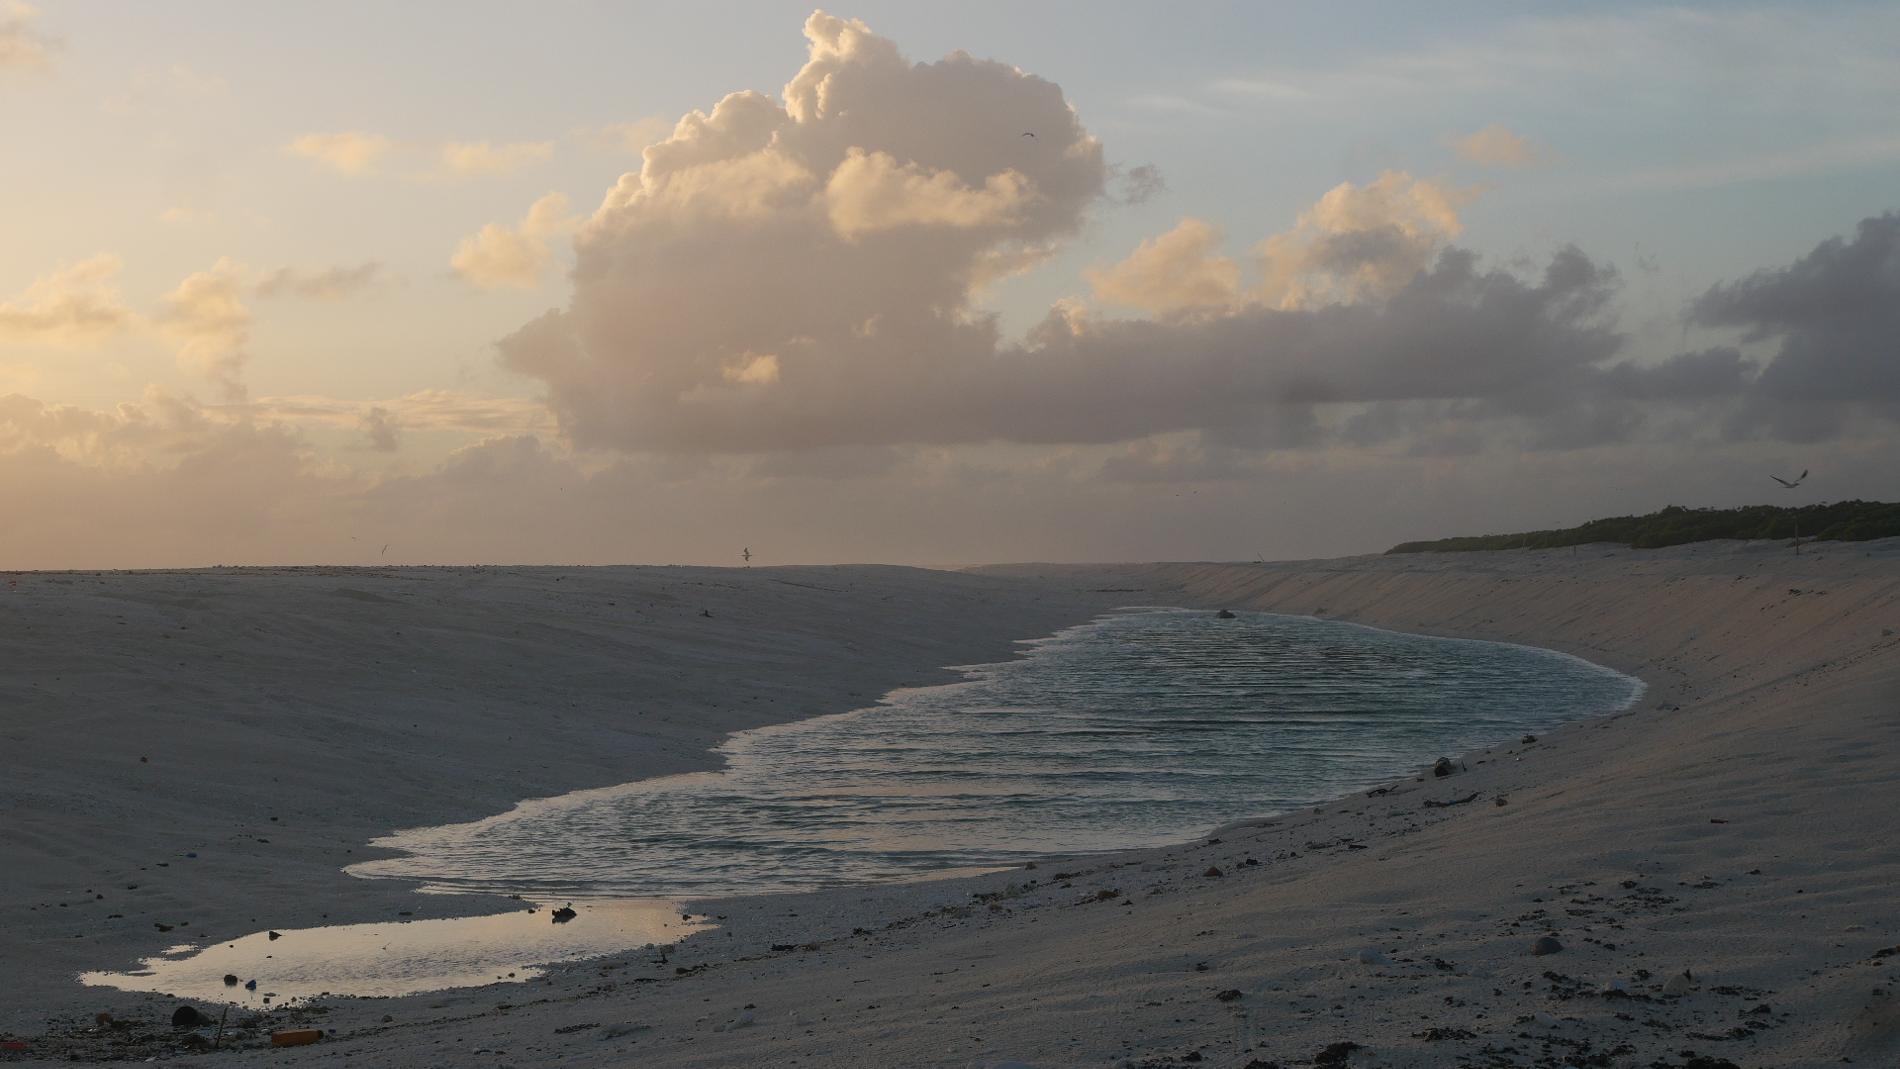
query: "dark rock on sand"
1223, 615
1546, 944
1336, 1053
1229, 995
1213, 870
187, 1016
230, 980
564, 914
1443, 767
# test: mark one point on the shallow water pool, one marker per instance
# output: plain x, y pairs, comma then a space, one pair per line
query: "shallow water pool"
1137, 729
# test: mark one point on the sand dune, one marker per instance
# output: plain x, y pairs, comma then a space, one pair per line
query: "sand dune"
1737, 825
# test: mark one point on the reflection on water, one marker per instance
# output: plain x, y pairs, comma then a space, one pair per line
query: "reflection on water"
400, 958
1134, 730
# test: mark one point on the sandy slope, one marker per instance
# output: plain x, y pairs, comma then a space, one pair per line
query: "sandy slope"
1739, 823
272, 721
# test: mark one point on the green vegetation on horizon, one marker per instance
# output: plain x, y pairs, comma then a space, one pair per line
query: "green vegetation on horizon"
1842, 521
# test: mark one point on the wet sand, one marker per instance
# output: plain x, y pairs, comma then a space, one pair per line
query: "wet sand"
1739, 824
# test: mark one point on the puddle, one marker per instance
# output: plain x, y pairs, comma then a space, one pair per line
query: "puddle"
401, 957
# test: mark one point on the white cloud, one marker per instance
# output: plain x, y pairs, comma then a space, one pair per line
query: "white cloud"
350, 152
22, 46
472, 158
207, 316
870, 191
327, 284
1360, 241
75, 305
500, 256
842, 229
1179, 271
1496, 146
753, 369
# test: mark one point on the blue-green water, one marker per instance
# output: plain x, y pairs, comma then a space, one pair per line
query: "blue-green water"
1137, 729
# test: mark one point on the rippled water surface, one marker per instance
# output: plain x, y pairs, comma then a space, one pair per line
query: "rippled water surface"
1137, 729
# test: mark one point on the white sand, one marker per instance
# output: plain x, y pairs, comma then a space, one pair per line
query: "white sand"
1739, 823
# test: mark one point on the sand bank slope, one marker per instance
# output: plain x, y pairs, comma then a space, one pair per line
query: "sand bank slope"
1739, 824
272, 721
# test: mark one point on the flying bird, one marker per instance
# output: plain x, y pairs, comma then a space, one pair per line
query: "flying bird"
1028, 134
385, 549
1791, 485
748, 554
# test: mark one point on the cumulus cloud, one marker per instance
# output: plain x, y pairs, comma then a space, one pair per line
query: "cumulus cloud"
327, 284
22, 45
841, 229
469, 158
1835, 313
381, 431
1357, 242
500, 256
207, 316
130, 437
1497, 146
350, 152
756, 369
869, 192
1179, 271
1831, 318
74, 305
801, 273
1360, 241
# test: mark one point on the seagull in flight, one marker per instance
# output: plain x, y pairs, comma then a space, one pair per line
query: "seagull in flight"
1028, 134
1791, 485
748, 554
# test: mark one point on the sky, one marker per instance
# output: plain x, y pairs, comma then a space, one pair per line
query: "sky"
586, 283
